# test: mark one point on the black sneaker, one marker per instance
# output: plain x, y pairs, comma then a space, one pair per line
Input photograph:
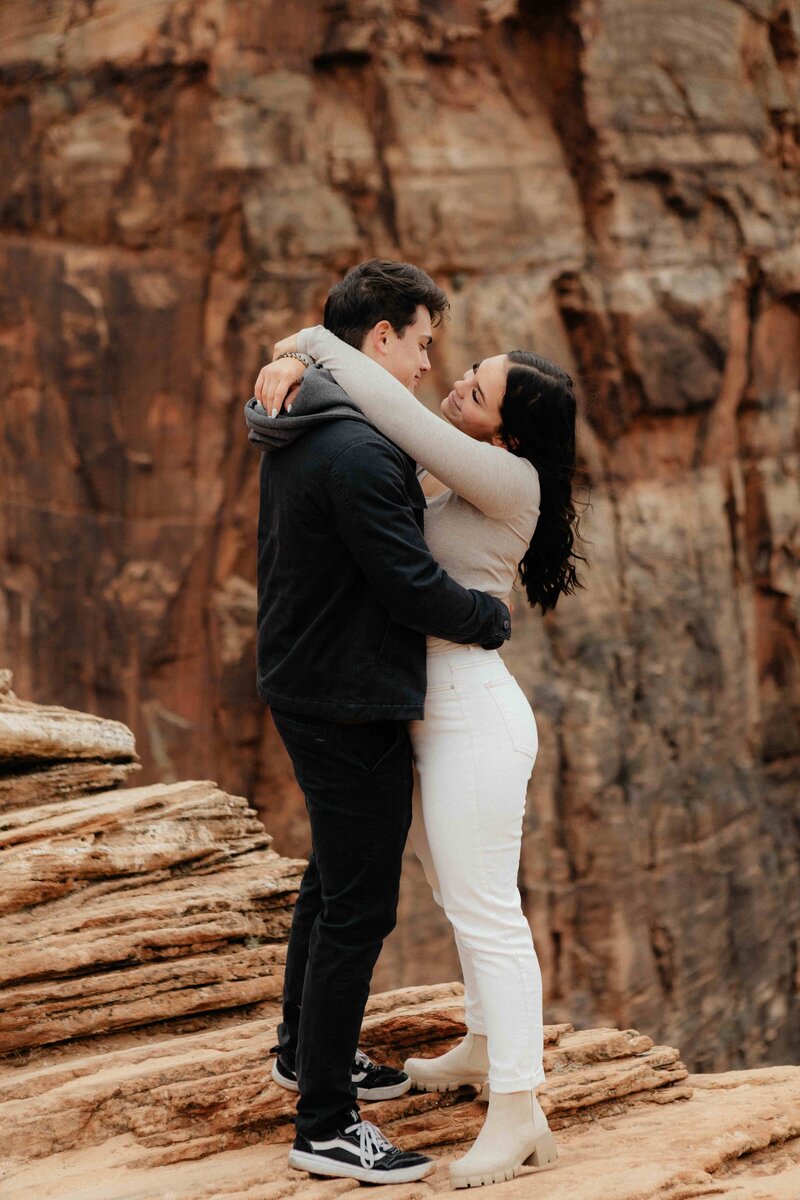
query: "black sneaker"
373, 1082
359, 1151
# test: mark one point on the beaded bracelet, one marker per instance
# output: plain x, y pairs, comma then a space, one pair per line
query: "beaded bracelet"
303, 358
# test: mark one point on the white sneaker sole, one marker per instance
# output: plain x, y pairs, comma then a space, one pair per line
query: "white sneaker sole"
390, 1092
282, 1080
315, 1165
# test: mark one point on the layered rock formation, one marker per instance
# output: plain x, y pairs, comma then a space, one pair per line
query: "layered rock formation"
138, 1012
614, 183
122, 907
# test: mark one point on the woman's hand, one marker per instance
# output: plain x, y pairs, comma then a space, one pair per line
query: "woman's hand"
277, 382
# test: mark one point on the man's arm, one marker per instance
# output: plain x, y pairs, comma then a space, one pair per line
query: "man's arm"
375, 519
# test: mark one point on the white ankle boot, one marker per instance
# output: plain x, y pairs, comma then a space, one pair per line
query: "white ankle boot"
468, 1062
514, 1134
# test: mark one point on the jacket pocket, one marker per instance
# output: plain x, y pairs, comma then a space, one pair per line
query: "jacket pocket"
516, 713
300, 728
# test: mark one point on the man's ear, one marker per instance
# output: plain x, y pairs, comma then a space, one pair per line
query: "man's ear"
511, 444
379, 336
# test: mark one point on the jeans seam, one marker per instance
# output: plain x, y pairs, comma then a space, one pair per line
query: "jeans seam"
474, 798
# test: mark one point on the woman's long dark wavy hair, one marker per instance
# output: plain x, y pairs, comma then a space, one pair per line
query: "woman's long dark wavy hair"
538, 423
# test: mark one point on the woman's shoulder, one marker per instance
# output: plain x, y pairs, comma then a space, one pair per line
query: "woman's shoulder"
529, 479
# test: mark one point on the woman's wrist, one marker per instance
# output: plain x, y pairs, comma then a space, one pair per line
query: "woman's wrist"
305, 359
284, 346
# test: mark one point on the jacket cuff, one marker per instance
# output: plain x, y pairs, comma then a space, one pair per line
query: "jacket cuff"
501, 629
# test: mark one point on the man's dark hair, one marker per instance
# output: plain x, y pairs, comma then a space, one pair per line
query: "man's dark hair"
381, 290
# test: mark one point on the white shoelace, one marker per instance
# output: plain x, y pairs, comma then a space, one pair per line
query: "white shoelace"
371, 1142
363, 1060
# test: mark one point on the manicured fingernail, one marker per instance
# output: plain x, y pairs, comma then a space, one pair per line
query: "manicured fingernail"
288, 408
274, 412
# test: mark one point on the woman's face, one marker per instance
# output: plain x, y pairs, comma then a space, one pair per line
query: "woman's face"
473, 405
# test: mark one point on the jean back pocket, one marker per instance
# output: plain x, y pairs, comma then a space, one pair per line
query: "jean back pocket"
516, 713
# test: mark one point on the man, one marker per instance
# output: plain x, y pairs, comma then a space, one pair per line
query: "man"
347, 592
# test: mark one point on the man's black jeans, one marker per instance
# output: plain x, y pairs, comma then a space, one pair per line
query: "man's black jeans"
357, 782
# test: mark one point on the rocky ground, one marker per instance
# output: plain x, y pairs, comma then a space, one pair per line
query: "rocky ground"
143, 933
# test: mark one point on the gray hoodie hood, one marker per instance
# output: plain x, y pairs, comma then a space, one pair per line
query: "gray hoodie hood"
319, 398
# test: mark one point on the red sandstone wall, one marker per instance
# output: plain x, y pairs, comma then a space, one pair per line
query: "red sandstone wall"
612, 182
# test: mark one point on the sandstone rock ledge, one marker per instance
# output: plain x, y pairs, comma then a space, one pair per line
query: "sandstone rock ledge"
144, 936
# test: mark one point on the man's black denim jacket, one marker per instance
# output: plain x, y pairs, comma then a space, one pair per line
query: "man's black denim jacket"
347, 587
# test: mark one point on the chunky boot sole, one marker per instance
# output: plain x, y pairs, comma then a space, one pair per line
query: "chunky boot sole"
544, 1152
390, 1092
315, 1165
446, 1085
417, 1069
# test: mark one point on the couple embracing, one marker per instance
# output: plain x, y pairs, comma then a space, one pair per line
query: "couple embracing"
389, 540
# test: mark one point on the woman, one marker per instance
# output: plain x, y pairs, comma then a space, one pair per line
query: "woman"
498, 473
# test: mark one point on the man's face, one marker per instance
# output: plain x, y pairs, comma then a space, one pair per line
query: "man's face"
405, 357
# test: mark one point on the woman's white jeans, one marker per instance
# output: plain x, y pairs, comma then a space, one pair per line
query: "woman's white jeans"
474, 753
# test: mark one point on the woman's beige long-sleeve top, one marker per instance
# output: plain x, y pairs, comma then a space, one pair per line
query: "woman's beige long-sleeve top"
480, 528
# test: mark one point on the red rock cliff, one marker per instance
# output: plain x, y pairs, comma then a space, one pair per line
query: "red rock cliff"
612, 182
